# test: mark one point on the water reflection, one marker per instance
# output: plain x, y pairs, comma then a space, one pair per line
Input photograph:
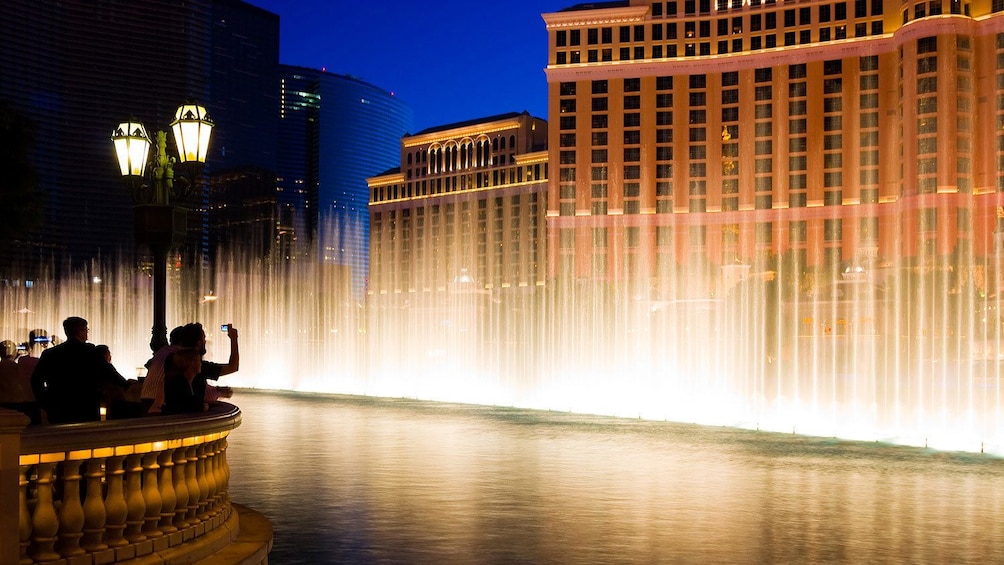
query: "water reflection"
357, 480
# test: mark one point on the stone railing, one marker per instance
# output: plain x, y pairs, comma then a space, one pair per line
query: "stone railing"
109, 492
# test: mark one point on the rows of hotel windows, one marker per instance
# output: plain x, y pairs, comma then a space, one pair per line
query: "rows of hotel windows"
630, 120
1000, 120
466, 153
931, 166
703, 7
747, 32
432, 243
458, 180
837, 111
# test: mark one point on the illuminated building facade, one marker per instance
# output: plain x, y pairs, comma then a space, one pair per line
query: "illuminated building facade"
467, 204
698, 133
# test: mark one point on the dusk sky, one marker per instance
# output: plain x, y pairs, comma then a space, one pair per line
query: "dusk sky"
451, 60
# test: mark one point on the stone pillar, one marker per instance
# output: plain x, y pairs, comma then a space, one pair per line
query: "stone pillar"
116, 507
11, 425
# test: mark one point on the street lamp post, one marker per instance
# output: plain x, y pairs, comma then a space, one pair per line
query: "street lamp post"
158, 222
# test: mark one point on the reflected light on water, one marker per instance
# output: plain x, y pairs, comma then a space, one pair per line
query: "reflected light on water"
354, 480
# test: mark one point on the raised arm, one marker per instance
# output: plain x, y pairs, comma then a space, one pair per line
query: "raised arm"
235, 358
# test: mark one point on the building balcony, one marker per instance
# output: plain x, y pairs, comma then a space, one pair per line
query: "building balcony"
145, 490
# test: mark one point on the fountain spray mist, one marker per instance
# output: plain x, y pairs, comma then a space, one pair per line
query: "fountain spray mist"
906, 353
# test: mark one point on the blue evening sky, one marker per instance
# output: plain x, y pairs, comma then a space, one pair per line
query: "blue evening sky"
450, 60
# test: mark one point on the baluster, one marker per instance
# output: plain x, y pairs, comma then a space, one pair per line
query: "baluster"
44, 523
24, 516
167, 496
192, 482
95, 514
71, 512
134, 498
115, 502
200, 472
225, 468
180, 488
151, 496
212, 501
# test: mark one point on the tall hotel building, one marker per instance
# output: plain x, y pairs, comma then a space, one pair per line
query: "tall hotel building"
709, 132
466, 206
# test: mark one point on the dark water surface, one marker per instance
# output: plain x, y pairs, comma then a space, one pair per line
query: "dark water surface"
356, 480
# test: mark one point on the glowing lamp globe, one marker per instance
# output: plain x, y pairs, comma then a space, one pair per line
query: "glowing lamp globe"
192, 127
132, 145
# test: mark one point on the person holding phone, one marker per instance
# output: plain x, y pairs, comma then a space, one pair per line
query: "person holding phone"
190, 336
209, 370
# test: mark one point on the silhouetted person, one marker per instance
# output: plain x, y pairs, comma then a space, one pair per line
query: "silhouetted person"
152, 395
15, 389
69, 378
120, 403
180, 370
38, 341
194, 334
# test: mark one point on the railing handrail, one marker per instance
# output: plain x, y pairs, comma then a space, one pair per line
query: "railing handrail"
117, 491
221, 417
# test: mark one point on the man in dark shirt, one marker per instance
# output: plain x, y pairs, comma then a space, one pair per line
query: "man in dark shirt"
194, 336
69, 378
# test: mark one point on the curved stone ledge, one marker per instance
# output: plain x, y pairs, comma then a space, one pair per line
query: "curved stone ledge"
221, 417
144, 490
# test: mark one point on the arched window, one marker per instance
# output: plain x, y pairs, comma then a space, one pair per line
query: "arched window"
502, 144
466, 153
512, 142
483, 147
495, 144
434, 159
409, 158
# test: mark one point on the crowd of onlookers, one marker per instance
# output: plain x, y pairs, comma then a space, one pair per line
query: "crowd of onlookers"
68, 381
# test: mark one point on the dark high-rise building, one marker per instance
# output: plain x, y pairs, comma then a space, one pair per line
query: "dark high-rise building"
79, 68
241, 207
297, 173
341, 131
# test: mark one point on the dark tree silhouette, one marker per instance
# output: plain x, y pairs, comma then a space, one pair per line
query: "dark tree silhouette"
20, 199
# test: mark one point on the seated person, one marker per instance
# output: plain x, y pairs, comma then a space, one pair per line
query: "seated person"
70, 378
120, 403
15, 388
180, 370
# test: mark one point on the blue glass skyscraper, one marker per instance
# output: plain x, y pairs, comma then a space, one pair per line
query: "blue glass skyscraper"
357, 131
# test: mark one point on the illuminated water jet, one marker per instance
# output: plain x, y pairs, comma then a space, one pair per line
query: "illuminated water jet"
904, 354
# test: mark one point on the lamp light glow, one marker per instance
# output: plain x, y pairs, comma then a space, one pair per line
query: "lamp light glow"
132, 146
192, 127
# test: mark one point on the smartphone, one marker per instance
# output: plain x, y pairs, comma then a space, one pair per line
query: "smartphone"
225, 328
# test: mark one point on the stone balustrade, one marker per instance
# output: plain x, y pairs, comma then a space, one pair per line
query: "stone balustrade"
110, 492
